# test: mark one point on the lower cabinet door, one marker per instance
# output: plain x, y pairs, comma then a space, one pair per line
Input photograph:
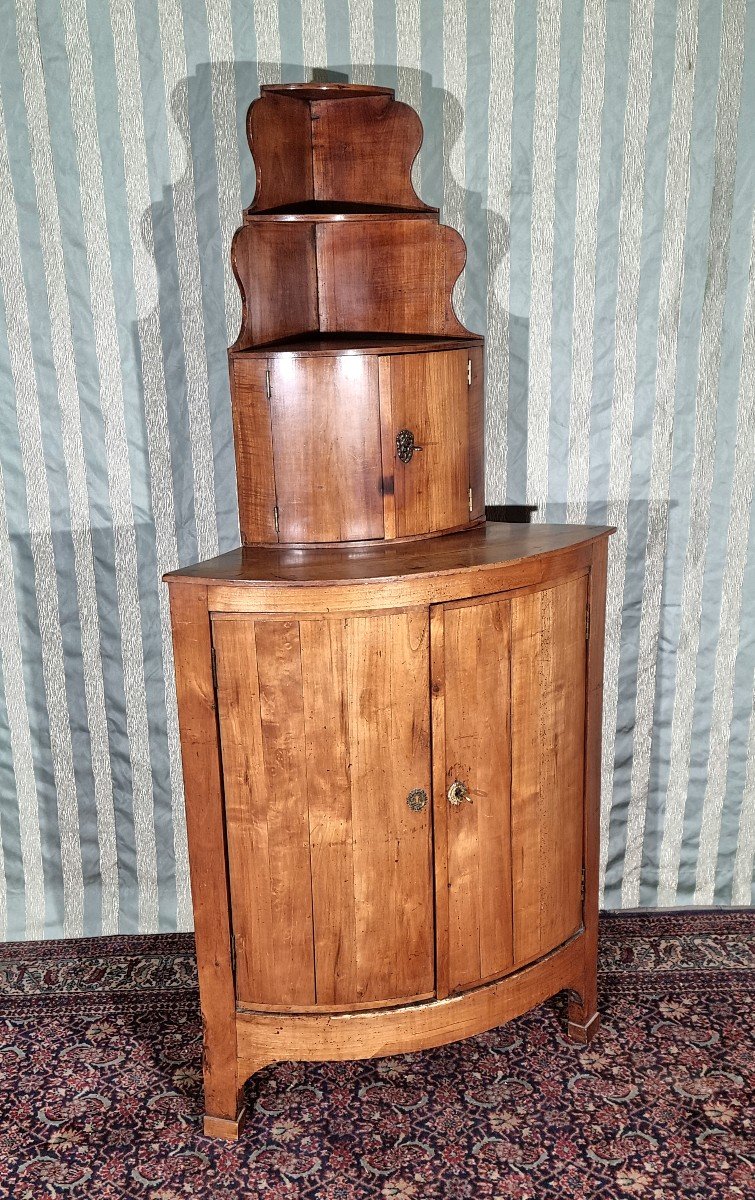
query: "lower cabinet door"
508, 744
325, 737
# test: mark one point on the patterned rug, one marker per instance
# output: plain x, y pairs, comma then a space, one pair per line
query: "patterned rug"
100, 1088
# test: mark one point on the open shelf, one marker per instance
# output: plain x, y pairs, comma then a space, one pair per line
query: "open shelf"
338, 210
307, 344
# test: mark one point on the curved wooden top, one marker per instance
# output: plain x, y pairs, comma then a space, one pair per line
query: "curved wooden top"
494, 557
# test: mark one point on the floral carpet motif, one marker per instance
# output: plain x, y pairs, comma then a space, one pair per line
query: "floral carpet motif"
100, 1085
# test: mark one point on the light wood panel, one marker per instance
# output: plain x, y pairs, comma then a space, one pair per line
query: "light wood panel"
429, 395
260, 708
367, 741
253, 442
330, 869
548, 633
471, 739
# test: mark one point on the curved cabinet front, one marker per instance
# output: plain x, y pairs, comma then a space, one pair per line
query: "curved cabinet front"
326, 734
334, 448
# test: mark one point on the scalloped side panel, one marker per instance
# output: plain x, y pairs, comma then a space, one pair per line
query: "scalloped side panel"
382, 277
355, 150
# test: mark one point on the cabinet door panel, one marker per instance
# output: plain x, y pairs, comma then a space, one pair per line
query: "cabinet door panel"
325, 416
429, 396
547, 800
473, 739
366, 706
325, 730
261, 713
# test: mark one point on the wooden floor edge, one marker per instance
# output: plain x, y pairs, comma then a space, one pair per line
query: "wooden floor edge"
267, 1038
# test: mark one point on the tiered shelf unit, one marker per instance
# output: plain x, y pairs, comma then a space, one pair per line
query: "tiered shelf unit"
389, 708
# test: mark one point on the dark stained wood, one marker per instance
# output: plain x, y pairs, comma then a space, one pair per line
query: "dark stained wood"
429, 395
303, 140
253, 442
472, 741
276, 270
205, 825
548, 685
392, 277
326, 441
329, 344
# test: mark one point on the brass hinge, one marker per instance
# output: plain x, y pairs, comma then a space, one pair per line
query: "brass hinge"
214, 660
583, 884
469, 371
470, 499
587, 623
268, 390
276, 518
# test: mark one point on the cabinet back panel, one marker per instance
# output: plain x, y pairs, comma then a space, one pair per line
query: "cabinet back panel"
430, 397
549, 657
476, 748
261, 714
325, 416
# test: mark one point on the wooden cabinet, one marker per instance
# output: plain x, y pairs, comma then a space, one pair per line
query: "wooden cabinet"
352, 446
390, 710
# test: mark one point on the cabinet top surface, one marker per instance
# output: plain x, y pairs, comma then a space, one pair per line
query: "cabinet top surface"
493, 544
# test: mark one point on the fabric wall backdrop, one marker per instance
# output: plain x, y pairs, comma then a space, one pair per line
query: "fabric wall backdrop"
599, 159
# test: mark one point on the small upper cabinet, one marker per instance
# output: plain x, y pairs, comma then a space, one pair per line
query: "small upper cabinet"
357, 446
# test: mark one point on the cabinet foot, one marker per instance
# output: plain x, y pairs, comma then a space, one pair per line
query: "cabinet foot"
225, 1127
583, 1031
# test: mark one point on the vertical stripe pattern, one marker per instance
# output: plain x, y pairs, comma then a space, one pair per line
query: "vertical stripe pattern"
598, 160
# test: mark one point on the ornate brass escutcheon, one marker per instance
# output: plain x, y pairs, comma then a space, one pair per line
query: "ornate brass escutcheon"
405, 445
417, 799
458, 793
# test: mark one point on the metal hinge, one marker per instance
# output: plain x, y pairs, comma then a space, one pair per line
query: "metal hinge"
214, 660
470, 499
583, 884
233, 953
469, 371
587, 623
276, 518
268, 390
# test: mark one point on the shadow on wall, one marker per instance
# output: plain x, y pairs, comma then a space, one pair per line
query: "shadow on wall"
190, 321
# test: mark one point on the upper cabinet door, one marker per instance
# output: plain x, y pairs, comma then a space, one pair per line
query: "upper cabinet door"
325, 418
548, 690
425, 404
325, 737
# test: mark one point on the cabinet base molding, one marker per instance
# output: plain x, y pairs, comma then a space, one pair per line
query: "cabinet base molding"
263, 1039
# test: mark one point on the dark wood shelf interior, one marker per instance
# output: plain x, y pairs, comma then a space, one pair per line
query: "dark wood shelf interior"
357, 343
338, 210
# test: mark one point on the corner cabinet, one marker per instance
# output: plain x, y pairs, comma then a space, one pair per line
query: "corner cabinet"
392, 791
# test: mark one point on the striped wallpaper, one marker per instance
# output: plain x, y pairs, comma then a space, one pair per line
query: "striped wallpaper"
599, 159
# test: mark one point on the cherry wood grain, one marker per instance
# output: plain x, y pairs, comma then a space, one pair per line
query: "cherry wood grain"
367, 739
205, 826
548, 687
429, 395
473, 744
261, 714
393, 277
253, 443
326, 438
276, 269
311, 344
346, 143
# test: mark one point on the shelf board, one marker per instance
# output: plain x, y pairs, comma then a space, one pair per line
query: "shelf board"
307, 344
338, 210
